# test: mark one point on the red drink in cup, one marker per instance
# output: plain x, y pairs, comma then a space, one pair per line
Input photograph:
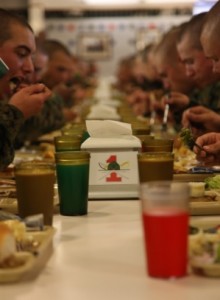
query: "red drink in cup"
166, 242
165, 226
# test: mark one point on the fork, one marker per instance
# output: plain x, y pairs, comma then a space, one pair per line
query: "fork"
193, 142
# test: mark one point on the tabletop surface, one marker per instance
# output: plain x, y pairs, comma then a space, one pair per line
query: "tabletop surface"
101, 256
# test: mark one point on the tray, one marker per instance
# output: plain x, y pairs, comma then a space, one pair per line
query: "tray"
204, 208
187, 177
209, 204
33, 262
205, 222
199, 207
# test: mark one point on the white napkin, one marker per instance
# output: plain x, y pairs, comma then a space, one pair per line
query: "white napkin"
102, 93
109, 102
108, 128
108, 134
103, 112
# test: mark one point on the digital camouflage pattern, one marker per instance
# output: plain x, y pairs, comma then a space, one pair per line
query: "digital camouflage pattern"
49, 119
208, 97
10, 124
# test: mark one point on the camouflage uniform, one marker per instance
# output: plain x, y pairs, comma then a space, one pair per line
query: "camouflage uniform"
49, 119
208, 97
11, 121
148, 85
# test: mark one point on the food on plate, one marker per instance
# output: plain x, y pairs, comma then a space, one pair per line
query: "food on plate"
24, 250
7, 247
197, 189
213, 182
48, 150
7, 192
18, 228
193, 230
23, 240
205, 246
199, 193
187, 137
184, 159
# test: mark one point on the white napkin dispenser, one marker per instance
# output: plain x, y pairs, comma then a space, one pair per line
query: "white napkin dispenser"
113, 166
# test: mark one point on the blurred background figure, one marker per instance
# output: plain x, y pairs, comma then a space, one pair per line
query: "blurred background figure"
173, 76
199, 68
59, 70
20, 101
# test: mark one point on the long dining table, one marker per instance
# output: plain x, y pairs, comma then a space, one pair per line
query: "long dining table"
100, 256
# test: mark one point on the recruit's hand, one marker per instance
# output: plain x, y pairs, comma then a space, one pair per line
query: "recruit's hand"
210, 142
66, 92
177, 101
201, 120
30, 99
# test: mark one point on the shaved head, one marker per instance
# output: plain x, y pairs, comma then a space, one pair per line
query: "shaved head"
211, 26
192, 31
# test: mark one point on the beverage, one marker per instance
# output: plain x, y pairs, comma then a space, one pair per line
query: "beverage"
67, 143
73, 182
143, 139
158, 145
73, 188
155, 166
165, 233
35, 191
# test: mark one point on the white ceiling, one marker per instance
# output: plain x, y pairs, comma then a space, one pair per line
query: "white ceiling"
98, 4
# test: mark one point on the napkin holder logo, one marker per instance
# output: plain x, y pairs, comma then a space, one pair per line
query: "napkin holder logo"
113, 175
112, 167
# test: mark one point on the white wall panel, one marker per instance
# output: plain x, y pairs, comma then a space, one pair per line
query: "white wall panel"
123, 32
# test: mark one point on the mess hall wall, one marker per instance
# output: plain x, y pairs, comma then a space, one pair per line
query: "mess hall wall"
121, 36
104, 38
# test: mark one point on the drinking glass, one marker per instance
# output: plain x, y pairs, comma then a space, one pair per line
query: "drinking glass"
155, 166
72, 169
165, 226
35, 189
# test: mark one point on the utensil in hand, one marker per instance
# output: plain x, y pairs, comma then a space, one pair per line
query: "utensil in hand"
199, 147
152, 120
187, 136
165, 117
